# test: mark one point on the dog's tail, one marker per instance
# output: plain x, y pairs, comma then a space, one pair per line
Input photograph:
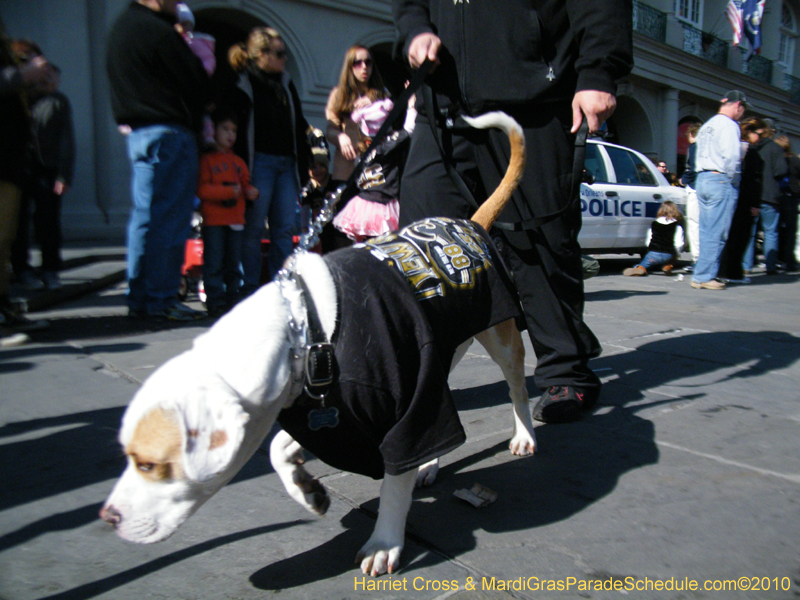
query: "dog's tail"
489, 210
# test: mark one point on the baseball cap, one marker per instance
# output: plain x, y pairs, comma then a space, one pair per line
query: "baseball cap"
736, 96
770, 123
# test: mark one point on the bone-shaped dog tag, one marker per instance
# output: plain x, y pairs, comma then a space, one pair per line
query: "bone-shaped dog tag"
323, 417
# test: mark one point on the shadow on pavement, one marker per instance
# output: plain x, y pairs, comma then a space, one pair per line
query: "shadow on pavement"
101, 586
580, 464
577, 465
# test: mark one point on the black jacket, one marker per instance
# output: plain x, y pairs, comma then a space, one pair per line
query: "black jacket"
521, 51
690, 174
775, 169
54, 136
751, 184
793, 163
294, 127
155, 78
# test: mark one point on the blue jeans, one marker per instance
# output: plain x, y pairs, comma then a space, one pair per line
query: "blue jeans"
275, 177
749, 253
222, 253
717, 200
654, 259
770, 217
165, 167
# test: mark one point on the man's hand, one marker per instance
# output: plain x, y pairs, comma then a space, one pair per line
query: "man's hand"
595, 105
424, 46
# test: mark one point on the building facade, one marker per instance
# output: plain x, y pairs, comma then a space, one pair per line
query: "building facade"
684, 63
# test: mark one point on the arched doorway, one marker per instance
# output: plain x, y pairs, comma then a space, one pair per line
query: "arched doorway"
229, 27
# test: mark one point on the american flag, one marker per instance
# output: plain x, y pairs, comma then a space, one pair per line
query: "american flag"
734, 14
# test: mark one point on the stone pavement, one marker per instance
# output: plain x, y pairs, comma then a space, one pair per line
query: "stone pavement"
688, 471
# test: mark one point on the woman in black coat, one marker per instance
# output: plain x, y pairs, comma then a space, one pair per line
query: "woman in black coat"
755, 132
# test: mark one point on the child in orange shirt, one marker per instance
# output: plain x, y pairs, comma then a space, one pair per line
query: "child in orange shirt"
223, 187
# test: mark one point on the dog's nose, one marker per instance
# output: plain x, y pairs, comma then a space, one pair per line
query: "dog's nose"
111, 515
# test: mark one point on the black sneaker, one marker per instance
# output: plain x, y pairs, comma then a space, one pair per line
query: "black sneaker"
563, 404
13, 320
179, 313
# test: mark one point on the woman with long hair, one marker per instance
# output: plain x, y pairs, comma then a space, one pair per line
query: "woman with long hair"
756, 133
277, 149
360, 85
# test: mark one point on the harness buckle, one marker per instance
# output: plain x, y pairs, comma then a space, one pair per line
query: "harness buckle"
319, 369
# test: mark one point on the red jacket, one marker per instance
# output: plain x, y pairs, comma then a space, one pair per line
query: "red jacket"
219, 171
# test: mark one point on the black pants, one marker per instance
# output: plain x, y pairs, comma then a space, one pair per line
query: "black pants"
730, 261
545, 262
39, 202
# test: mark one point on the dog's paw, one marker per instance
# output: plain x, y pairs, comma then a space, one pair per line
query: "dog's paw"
378, 557
315, 496
427, 473
522, 445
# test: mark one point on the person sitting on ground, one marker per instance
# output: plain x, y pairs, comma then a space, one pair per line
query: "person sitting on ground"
664, 240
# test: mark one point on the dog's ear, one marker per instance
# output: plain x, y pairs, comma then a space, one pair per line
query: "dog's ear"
213, 430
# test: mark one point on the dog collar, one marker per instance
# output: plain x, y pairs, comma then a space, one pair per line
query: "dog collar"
311, 352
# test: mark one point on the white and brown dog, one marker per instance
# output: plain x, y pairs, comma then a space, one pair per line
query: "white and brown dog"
399, 310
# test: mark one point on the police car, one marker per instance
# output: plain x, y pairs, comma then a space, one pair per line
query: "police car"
620, 198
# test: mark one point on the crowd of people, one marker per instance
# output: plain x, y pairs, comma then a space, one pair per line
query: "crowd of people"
248, 159
37, 160
740, 180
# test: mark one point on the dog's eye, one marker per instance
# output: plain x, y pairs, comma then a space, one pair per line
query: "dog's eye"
145, 467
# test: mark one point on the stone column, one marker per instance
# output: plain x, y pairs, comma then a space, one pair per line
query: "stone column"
669, 128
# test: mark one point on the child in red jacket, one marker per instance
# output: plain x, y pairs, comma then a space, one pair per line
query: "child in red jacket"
223, 187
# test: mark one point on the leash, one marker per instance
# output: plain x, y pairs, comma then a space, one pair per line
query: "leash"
575, 192
310, 346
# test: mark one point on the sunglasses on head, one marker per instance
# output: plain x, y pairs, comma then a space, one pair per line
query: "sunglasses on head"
367, 62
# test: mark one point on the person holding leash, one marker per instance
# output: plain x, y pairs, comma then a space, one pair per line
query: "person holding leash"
551, 66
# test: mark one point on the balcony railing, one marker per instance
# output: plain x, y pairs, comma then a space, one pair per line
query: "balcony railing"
703, 44
652, 23
757, 67
792, 85
649, 22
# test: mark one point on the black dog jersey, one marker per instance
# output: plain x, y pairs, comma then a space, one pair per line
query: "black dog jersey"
455, 272
406, 301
